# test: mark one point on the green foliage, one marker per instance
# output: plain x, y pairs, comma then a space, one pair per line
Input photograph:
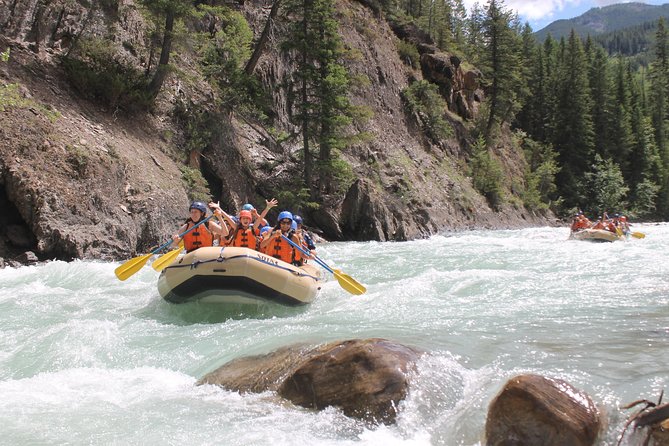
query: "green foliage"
605, 188
10, 97
96, 70
408, 54
645, 197
223, 56
4, 56
197, 187
486, 173
540, 189
423, 100
296, 199
79, 158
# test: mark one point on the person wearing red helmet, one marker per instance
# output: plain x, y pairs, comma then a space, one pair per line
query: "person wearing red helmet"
242, 232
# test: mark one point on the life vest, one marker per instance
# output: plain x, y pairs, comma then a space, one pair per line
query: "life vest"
282, 250
245, 238
198, 237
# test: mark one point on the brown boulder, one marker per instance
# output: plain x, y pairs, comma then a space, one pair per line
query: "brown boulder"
534, 410
364, 378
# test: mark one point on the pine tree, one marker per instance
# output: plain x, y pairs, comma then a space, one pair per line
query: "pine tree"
659, 79
171, 10
573, 136
621, 138
501, 59
322, 102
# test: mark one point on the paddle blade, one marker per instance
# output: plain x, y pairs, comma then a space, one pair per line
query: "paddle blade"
131, 266
349, 283
163, 261
638, 235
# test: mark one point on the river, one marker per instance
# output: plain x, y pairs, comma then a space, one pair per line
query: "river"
87, 359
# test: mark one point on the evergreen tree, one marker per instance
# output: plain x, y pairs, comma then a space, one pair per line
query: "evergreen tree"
501, 59
171, 10
322, 102
659, 79
573, 136
621, 139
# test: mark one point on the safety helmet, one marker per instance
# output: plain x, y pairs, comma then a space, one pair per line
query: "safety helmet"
200, 206
284, 215
293, 225
245, 213
248, 207
297, 219
265, 229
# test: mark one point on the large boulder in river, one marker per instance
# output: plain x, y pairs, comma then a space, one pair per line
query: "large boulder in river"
534, 410
364, 378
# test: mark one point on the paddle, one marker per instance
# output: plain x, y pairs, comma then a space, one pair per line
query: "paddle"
161, 262
135, 264
638, 235
345, 281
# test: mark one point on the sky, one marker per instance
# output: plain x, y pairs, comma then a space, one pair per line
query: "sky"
540, 13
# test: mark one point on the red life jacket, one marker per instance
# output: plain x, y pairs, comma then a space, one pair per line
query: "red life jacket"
282, 250
198, 237
246, 238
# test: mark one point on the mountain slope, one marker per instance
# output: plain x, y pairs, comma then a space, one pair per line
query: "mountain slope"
604, 20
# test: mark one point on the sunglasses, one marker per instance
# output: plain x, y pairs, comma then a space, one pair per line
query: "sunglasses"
285, 222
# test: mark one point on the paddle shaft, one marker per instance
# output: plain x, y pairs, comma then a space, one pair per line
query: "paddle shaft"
307, 253
182, 234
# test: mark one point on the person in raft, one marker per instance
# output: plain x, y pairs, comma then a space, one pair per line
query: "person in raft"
204, 234
276, 246
305, 236
244, 234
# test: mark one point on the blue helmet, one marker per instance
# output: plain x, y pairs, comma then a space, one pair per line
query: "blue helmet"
265, 229
284, 215
200, 206
297, 219
247, 207
293, 225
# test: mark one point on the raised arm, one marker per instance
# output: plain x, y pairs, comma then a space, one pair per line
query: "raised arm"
269, 204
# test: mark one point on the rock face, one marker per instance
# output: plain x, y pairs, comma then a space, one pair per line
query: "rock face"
80, 180
534, 410
364, 378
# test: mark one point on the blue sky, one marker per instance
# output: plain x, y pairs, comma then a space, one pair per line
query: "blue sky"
542, 12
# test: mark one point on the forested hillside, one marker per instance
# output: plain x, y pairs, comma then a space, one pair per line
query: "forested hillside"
599, 123
607, 19
376, 120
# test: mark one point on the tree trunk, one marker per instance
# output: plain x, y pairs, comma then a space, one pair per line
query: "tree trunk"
260, 46
163, 64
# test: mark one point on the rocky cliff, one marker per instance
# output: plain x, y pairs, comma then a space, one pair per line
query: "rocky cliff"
81, 180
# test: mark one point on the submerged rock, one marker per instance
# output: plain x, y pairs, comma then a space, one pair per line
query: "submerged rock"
534, 410
366, 379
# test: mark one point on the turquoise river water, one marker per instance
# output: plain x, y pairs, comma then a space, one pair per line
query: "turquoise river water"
87, 359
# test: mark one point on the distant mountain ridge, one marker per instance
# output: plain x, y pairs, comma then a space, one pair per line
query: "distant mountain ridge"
606, 19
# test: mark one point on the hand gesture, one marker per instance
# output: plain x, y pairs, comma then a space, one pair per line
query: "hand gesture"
271, 203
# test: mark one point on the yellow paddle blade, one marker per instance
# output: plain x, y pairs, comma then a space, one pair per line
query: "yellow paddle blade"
165, 260
349, 283
638, 235
131, 266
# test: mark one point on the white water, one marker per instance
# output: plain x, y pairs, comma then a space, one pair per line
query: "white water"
86, 359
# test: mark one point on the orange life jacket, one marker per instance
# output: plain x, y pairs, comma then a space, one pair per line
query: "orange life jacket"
246, 238
198, 237
282, 250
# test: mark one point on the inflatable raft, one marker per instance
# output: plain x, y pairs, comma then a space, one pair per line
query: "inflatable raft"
231, 275
596, 235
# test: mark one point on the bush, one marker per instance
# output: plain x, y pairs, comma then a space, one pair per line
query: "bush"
408, 54
423, 99
486, 174
197, 187
95, 70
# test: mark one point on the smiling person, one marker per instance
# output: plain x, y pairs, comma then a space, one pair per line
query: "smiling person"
204, 234
277, 247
